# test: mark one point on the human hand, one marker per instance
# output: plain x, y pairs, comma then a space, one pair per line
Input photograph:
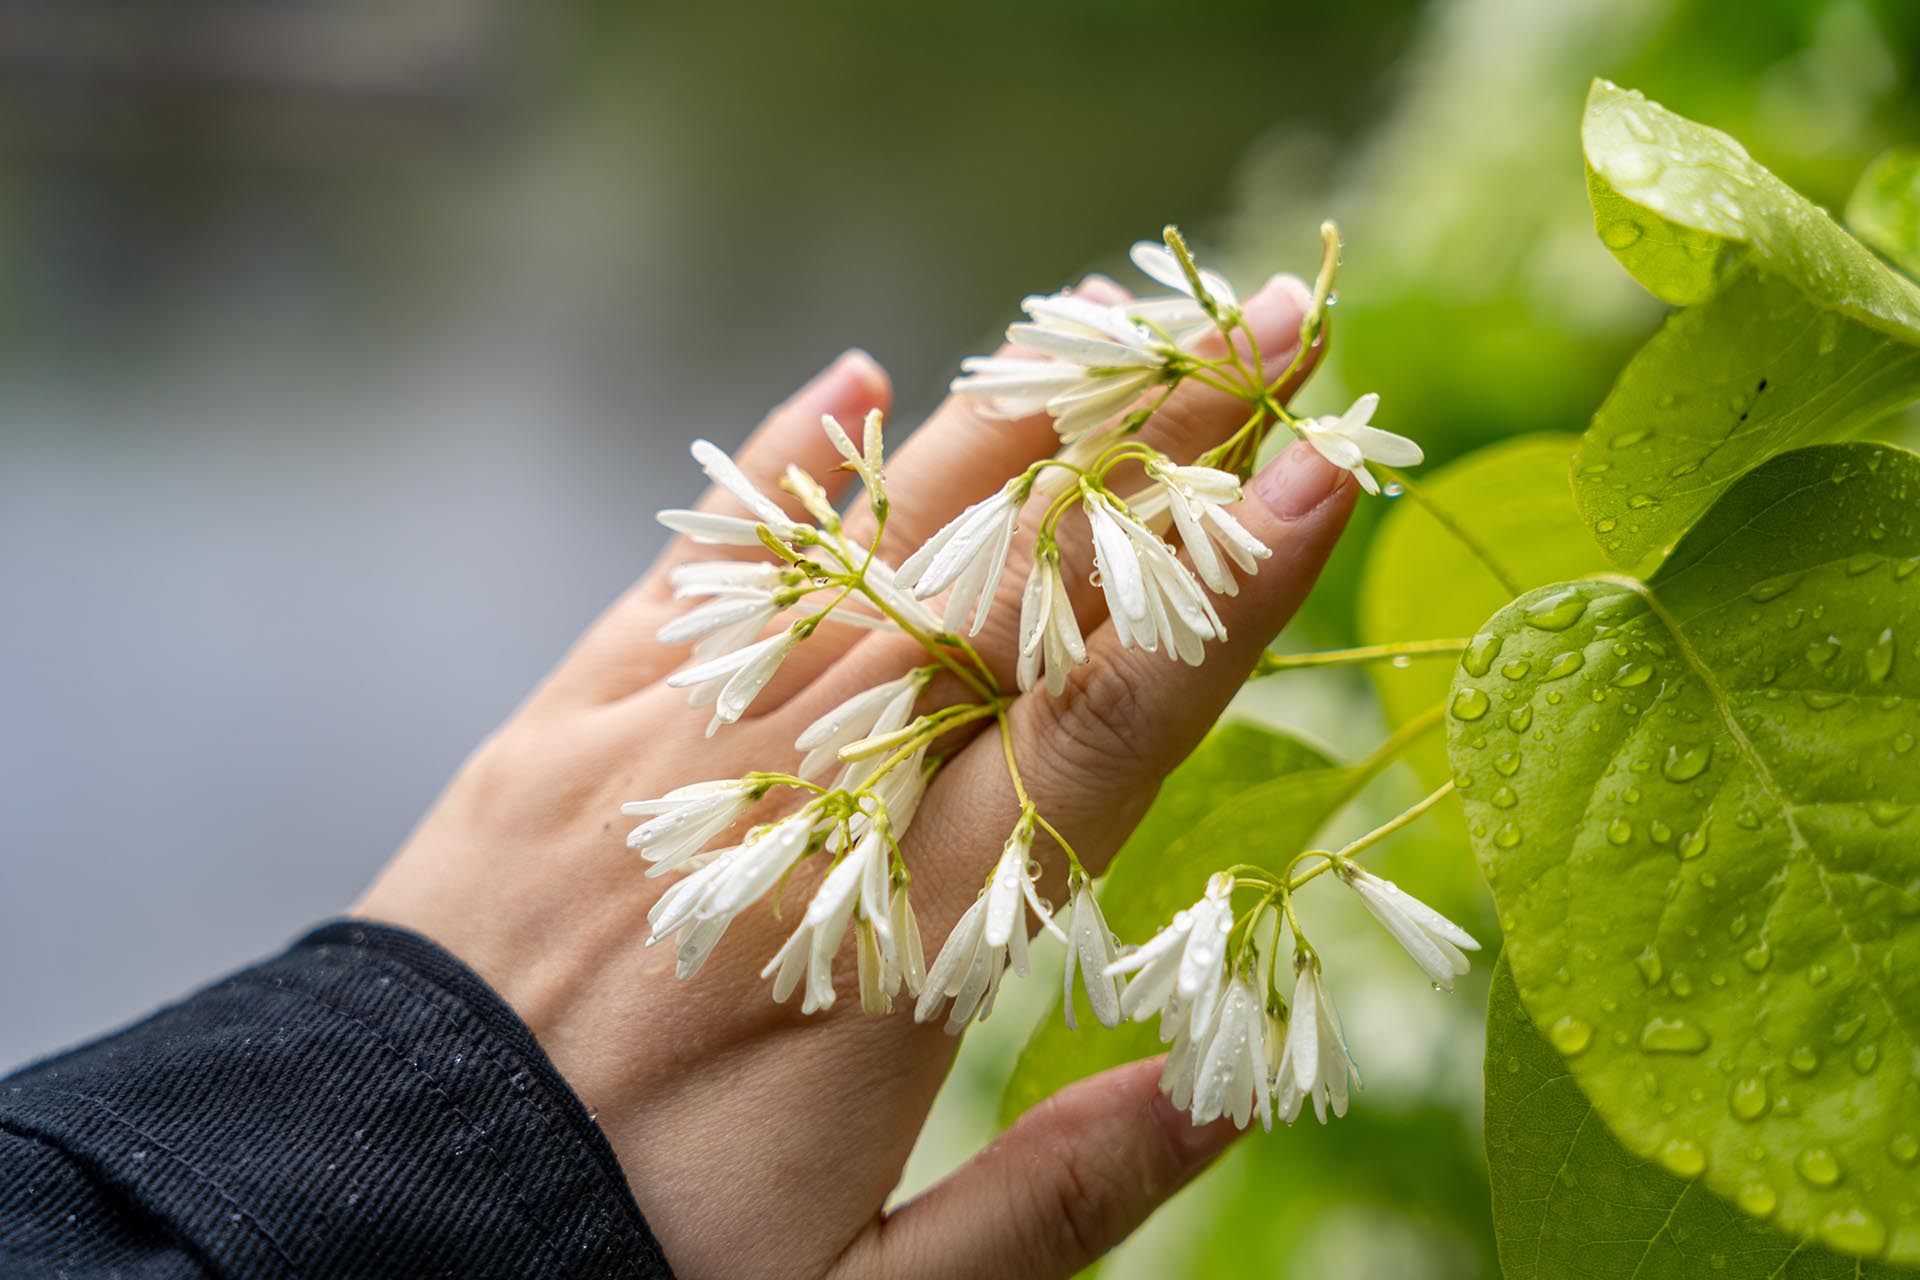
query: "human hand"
759, 1142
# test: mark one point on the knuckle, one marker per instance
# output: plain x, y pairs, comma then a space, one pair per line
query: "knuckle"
1100, 720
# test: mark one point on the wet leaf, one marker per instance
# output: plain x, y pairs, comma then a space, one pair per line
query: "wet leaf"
1795, 333
1699, 812
1569, 1201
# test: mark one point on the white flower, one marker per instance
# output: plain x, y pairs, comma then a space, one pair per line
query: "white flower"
1348, 442
744, 578
1013, 880
968, 971
1158, 262
1195, 499
858, 878
727, 530
1230, 1073
990, 936
721, 470
1090, 951
700, 906
682, 821
968, 555
1050, 640
711, 529
1098, 361
1180, 969
1315, 1063
880, 710
907, 964
731, 681
1433, 941
723, 624
1151, 597
864, 459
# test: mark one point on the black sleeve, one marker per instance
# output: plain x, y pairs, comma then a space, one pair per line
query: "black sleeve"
362, 1105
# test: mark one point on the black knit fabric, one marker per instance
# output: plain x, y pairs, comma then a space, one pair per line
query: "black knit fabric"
362, 1105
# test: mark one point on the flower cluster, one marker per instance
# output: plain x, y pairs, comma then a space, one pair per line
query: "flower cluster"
1163, 543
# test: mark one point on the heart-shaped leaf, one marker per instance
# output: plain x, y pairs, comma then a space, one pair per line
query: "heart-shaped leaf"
1695, 801
1795, 333
1569, 1200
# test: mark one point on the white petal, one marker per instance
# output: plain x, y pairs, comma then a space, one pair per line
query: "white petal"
716, 530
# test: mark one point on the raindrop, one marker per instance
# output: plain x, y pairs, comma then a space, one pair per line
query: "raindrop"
1854, 1231
1866, 1058
1772, 588
1401, 662
1817, 975
1686, 761
1564, 665
1628, 439
1904, 1148
1649, 964
1507, 764
1821, 652
1469, 704
1684, 1157
1757, 957
1818, 1167
1804, 1060
1519, 718
1632, 675
1885, 813
1757, 1199
1748, 1099
1606, 524
1880, 656
1822, 701
1619, 831
1507, 836
1557, 611
1393, 489
1478, 659
1571, 1036
1694, 843
1672, 1035
1504, 798
1517, 669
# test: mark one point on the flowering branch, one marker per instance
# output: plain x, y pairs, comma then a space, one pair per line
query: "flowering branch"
1102, 373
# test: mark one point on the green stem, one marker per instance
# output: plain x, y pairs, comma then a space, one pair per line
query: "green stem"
1370, 839
1445, 519
1272, 663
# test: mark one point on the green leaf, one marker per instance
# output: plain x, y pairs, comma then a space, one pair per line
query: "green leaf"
1424, 582
1246, 794
1570, 1201
1884, 209
1695, 802
1795, 333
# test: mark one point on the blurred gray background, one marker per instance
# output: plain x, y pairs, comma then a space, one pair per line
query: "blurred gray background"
346, 350
350, 350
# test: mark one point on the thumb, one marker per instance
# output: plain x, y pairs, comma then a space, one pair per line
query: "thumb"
1069, 1181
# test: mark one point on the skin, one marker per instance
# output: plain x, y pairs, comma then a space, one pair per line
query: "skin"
759, 1142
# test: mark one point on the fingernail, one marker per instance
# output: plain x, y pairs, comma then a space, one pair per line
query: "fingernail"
1297, 481
1193, 1145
